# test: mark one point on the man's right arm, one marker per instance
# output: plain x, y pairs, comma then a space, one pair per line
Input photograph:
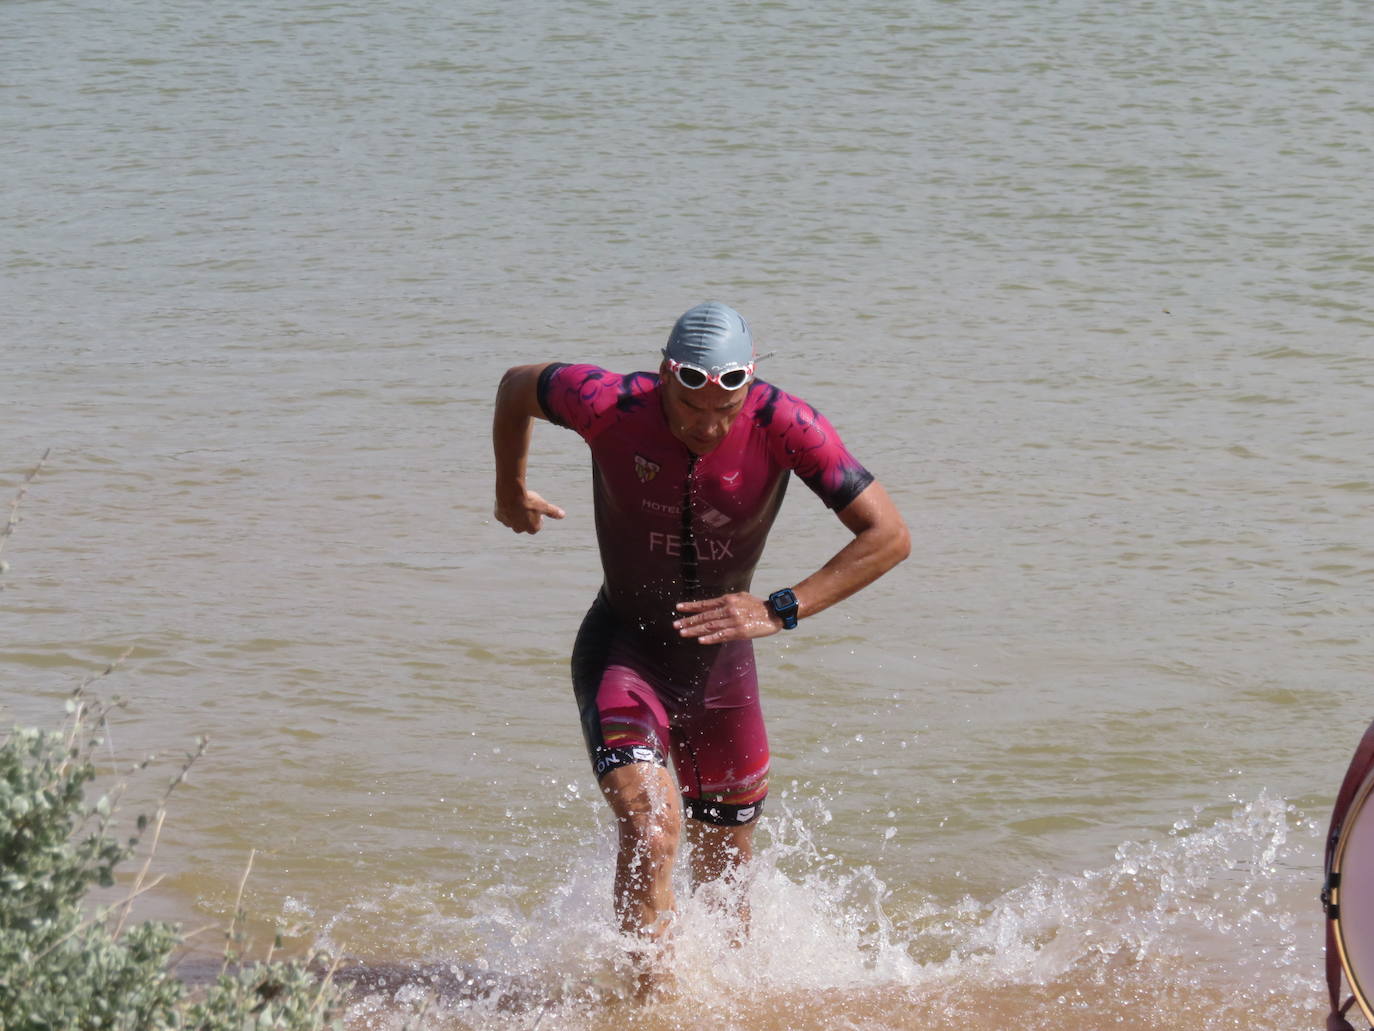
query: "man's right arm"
517, 406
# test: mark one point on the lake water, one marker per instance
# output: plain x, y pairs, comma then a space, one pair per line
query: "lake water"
1087, 286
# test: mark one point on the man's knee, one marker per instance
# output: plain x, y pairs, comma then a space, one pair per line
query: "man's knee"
647, 809
653, 835
650, 821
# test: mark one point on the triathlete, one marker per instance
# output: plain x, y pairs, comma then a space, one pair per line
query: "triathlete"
689, 468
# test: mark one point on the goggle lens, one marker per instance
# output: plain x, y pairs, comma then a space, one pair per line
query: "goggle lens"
734, 379
692, 379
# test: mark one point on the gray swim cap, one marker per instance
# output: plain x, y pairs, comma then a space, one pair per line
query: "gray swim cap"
711, 336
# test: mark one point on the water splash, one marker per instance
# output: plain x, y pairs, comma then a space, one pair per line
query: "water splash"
1211, 926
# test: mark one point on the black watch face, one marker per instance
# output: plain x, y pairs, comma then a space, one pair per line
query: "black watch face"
783, 599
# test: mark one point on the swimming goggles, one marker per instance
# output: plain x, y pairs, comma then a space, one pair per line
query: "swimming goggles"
694, 377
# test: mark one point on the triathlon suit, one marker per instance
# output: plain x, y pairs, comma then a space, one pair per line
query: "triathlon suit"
672, 526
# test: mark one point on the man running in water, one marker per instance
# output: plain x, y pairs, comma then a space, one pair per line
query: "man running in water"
689, 468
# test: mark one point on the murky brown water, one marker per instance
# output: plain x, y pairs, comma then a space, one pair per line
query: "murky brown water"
1086, 292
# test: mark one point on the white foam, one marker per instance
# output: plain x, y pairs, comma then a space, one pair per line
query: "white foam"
1170, 926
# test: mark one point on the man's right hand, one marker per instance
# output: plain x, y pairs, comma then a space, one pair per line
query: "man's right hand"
524, 511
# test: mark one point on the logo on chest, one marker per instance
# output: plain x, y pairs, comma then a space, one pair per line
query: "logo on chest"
714, 518
645, 469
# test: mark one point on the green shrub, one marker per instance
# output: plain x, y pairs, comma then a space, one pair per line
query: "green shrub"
67, 966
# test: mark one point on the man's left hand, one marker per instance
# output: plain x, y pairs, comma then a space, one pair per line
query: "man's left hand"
731, 617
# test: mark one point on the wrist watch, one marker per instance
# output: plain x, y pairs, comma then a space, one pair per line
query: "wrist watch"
784, 605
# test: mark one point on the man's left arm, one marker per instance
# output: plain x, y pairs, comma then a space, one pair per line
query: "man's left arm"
881, 540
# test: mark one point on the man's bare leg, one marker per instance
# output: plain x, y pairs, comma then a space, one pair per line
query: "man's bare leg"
719, 853
648, 812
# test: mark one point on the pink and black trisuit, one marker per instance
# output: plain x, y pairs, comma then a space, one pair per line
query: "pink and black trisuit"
673, 526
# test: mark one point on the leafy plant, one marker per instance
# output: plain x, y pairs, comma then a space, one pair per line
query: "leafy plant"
67, 966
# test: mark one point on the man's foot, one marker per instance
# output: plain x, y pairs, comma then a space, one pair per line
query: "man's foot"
653, 983
651, 962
